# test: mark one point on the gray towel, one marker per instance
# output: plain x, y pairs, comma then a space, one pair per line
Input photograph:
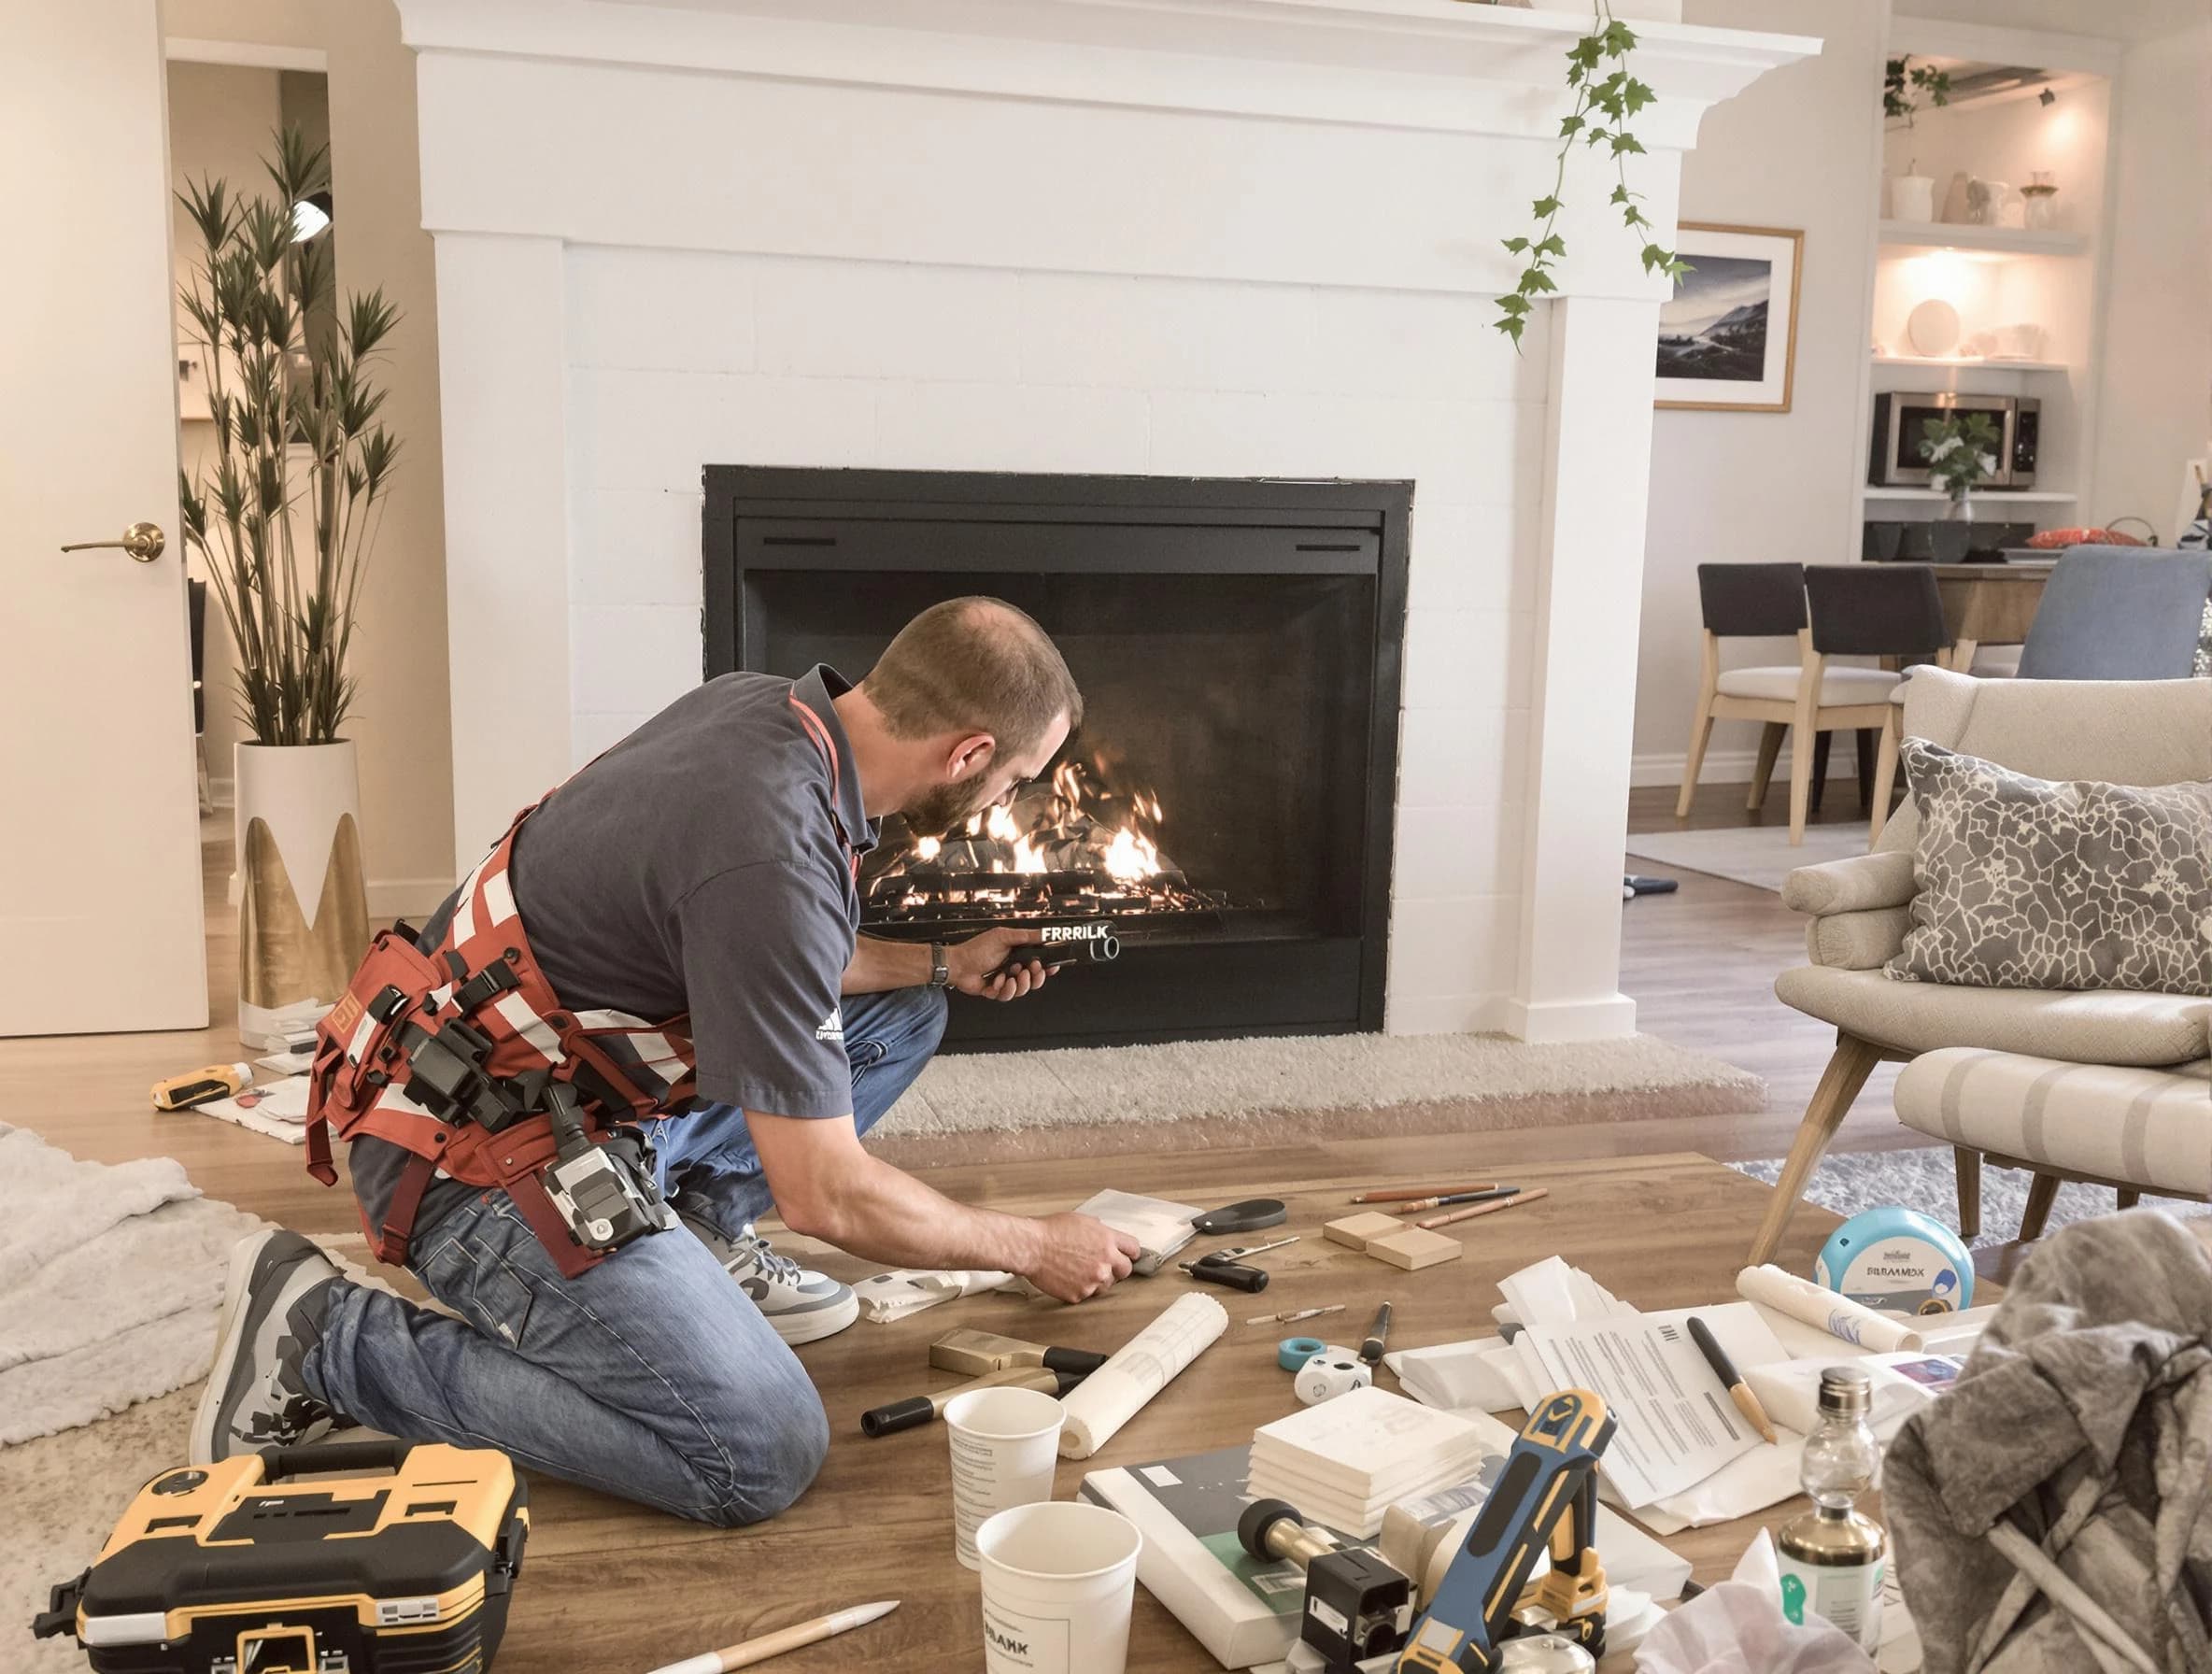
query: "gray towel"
2050, 1513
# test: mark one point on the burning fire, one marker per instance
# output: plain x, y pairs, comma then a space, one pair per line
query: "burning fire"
1077, 827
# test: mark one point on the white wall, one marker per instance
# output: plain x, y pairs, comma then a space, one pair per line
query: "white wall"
1798, 150
2157, 374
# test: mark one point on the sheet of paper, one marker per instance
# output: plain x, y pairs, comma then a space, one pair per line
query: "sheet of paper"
1138, 1370
1483, 1375
1159, 1226
1551, 1292
1675, 1424
894, 1295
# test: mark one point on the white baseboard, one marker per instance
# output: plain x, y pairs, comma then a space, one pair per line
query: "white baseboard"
1733, 767
1549, 1023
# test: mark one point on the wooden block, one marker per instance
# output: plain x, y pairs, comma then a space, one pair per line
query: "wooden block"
1414, 1249
1356, 1229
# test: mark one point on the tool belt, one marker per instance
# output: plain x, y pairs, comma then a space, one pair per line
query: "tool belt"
466, 1058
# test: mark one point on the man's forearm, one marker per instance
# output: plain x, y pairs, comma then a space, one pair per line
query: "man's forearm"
877, 966
884, 1214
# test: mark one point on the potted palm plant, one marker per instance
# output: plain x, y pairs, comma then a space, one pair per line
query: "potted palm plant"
283, 513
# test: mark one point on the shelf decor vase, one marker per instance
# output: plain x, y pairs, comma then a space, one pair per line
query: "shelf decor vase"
303, 900
1912, 197
1960, 508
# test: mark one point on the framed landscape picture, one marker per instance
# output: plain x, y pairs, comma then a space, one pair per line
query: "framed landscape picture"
1728, 336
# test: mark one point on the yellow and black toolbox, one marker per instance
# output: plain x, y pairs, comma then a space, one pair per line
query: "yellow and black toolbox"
271, 1564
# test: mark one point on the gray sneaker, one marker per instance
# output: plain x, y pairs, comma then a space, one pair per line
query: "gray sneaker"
272, 1315
803, 1305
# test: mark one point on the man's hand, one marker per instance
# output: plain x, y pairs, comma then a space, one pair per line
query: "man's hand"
970, 964
1079, 1257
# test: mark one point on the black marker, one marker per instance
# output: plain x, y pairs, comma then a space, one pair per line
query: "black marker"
1371, 1348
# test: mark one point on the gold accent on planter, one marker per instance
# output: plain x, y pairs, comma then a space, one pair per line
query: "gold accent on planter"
283, 957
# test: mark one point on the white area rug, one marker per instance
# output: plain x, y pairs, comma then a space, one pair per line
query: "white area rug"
1851, 1180
1760, 856
109, 1281
1199, 1093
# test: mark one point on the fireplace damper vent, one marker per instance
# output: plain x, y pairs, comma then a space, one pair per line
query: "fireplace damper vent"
1227, 802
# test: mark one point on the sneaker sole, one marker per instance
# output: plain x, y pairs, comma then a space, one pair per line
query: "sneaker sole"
229, 1334
816, 1323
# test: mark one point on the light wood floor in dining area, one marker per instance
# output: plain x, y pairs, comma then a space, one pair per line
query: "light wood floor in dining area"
610, 1587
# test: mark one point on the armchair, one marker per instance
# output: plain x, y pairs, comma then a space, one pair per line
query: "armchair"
2134, 733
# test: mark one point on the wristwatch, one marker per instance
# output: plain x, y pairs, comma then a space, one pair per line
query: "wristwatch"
941, 974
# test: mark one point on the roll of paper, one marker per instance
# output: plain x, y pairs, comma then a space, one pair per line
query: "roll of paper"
1137, 1372
1834, 1313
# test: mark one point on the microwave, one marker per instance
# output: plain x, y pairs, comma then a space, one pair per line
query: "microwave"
1899, 416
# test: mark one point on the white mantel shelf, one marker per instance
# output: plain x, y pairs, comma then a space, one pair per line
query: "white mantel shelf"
1426, 64
1960, 235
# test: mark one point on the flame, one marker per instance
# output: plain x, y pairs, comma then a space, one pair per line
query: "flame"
1131, 856
1026, 858
925, 848
999, 827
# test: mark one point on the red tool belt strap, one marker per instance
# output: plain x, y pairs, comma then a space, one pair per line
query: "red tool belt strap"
478, 1118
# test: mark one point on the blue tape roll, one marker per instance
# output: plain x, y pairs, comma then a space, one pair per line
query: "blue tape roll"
1294, 1352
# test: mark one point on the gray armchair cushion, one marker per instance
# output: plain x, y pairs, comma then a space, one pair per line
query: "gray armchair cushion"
2027, 883
1853, 885
1857, 940
2107, 1026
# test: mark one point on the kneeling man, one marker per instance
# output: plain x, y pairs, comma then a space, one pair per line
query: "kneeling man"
579, 1183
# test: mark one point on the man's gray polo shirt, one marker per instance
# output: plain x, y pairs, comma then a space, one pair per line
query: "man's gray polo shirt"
704, 864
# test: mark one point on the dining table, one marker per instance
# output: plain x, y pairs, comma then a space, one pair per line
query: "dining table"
1986, 603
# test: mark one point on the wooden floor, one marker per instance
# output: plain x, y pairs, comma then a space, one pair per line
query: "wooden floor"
613, 1588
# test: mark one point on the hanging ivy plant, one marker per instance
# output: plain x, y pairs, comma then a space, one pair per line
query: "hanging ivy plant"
1605, 100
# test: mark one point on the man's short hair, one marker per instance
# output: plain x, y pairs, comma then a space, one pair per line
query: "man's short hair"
975, 665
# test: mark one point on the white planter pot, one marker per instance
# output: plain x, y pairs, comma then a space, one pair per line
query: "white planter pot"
303, 899
1912, 197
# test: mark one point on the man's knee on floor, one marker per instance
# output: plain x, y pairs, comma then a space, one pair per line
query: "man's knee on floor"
773, 1455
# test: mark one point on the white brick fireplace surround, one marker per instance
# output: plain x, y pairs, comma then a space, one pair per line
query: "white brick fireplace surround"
1175, 237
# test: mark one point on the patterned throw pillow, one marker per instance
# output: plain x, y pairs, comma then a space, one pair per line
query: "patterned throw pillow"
2027, 883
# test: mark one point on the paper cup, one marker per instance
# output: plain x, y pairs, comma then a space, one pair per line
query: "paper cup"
1058, 1581
1006, 1444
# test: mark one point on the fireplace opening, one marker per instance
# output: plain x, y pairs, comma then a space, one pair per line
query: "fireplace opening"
1226, 804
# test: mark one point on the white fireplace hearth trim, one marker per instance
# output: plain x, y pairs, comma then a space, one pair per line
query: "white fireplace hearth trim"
665, 234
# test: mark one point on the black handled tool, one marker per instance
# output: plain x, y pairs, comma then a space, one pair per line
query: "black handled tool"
918, 1410
1233, 1274
1093, 943
1370, 1347
1247, 1216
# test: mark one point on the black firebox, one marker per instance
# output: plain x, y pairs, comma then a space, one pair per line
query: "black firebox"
1226, 804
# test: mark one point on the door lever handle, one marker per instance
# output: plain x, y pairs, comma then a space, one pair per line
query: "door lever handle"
142, 541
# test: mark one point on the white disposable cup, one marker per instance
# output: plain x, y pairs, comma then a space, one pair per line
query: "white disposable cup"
1058, 1581
1006, 1444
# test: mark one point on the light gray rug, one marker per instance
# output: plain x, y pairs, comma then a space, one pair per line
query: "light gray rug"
109, 1281
1760, 856
1198, 1094
1851, 1180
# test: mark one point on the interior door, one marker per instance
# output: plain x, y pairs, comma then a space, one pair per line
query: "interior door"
100, 905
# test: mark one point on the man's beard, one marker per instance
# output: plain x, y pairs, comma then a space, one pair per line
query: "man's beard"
936, 811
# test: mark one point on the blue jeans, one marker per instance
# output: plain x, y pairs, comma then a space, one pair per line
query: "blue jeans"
651, 1376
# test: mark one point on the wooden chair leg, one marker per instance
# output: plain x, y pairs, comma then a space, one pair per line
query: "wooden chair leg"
1822, 743
1863, 740
1771, 746
1701, 731
1801, 739
2042, 1191
1969, 1166
2129, 1197
1846, 1073
1885, 779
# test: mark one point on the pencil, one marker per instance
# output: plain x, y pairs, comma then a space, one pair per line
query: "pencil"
1453, 1200
1724, 1369
775, 1644
1530, 1196
1400, 1195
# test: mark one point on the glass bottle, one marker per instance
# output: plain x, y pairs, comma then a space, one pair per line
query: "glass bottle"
1832, 1557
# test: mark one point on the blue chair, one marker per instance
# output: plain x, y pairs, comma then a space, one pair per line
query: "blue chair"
2123, 613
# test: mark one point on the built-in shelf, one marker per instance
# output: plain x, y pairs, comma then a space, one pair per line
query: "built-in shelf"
1953, 235
1954, 365
1983, 497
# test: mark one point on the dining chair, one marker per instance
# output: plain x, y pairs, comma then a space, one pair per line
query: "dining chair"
1878, 611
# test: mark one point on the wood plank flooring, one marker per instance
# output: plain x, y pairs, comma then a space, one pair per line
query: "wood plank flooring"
612, 1588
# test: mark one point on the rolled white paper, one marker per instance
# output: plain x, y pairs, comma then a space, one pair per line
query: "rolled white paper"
1136, 1372
1830, 1310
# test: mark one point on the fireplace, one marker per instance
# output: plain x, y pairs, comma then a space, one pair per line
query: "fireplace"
1227, 805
